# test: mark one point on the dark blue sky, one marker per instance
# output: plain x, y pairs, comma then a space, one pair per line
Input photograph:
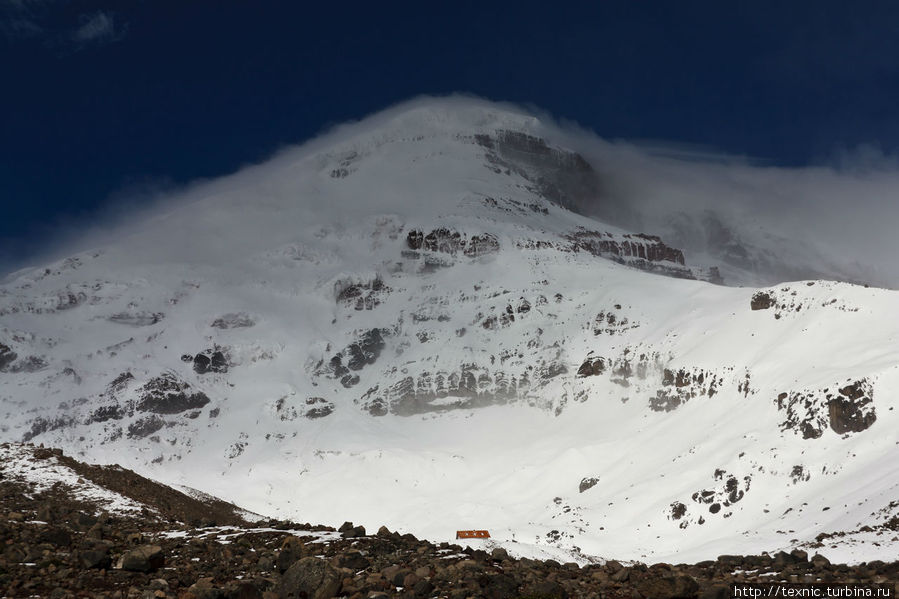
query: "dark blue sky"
103, 100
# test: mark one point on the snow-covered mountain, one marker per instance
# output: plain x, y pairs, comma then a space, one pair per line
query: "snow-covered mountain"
414, 321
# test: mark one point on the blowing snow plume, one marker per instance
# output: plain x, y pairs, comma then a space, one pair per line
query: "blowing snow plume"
757, 224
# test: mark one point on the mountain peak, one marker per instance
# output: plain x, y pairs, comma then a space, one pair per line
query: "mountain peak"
428, 311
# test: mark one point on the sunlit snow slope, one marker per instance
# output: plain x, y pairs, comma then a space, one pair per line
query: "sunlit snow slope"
408, 322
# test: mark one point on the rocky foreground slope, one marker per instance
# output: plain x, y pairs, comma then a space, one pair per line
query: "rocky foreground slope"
73, 530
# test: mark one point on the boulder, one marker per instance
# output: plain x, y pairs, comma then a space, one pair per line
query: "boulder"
310, 578
353, 560
94, 559
204, 589
146, 558
291, 551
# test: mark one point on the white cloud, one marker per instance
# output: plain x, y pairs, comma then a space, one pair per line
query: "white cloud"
98, 27
35, 19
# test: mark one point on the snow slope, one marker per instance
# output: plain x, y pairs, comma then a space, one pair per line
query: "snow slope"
408, 323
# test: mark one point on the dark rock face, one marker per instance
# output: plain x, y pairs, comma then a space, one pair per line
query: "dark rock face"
310, 578
167, 395
761, 301
7, 357
560, 176
146, 558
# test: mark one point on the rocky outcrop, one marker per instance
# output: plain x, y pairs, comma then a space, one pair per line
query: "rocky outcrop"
637, 245
761, 301
318, 407
144, 427
790, 300
716, 501
668, 388
362, 352
364, 295
449, 241
682, 385
852, 410
107, 412
166, 394
612, 322
844, 409
592, 366
469, 387
637, 250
